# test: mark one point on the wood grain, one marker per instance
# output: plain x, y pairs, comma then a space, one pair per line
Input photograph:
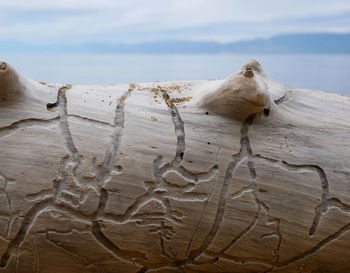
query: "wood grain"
158, 177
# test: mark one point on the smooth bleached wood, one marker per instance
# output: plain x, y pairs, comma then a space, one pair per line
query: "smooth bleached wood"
243, 174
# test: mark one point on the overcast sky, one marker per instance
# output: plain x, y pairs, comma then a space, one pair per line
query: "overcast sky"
130, 21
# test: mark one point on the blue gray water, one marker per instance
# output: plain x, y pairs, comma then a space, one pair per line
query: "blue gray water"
324, 72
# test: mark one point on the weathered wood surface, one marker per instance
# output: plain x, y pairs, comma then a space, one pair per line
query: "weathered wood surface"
159, 178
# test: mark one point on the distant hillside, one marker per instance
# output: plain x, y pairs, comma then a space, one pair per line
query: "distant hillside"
289, 43
294, 43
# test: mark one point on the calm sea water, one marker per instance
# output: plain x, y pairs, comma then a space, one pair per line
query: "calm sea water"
324, 72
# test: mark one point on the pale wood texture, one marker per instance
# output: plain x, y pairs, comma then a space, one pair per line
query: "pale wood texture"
158, 177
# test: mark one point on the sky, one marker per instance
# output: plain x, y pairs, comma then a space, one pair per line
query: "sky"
133, 21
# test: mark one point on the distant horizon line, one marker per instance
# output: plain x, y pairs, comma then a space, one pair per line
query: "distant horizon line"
189, 40
304, 43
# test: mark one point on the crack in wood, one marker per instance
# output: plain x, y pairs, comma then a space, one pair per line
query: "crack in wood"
101, 238
323, 207
36, 268
25, 123
49, 239
245, 231
28, 221
284, 98
46, 123
90, 120
164, 233
4, 189
238, 260
12, 219
262, 207
237, 160
202, 215
245, 154
329, 239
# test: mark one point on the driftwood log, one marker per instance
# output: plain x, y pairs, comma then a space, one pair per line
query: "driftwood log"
237, 175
